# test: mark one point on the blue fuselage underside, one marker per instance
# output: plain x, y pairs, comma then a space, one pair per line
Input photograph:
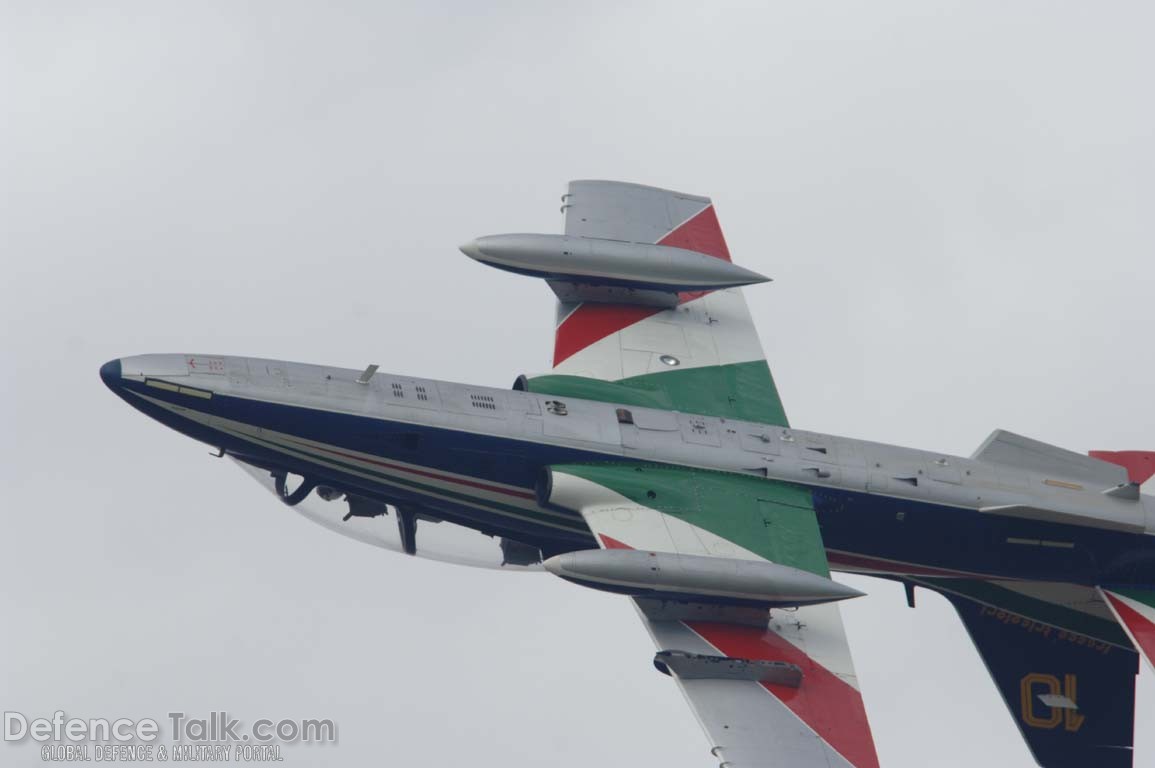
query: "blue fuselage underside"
861, 531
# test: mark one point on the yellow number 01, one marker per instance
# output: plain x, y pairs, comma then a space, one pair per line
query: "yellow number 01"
1029, 693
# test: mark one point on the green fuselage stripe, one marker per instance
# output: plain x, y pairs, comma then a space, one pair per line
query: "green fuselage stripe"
742, 391
772, 519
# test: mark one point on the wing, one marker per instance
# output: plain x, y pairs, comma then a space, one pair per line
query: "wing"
701, 356
1062, 664
770, 687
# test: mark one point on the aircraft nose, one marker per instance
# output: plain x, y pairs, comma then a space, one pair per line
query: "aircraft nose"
110, 374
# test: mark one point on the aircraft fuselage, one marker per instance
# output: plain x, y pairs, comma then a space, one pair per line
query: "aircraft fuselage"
474, 456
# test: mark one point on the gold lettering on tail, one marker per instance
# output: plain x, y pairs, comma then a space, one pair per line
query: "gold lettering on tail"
1037, 684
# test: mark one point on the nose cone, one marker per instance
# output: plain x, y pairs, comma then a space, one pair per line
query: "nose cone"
110, 374
560, 565
472, 249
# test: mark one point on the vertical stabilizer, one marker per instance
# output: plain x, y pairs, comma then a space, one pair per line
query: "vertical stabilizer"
1140, 465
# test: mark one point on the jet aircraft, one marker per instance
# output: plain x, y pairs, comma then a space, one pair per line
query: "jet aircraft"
655, 460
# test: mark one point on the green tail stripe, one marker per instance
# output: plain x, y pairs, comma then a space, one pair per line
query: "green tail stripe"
772, 519
1145, 596
743, 391
1017, 603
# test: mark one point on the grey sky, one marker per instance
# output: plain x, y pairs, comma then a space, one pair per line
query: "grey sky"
954, 200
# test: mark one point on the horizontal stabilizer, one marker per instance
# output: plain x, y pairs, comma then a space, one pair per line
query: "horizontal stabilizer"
1013, 450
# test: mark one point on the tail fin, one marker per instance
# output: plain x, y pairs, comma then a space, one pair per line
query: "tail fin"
1140, 465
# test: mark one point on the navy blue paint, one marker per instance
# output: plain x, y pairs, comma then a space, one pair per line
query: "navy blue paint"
1105, 688
928, 535
967, 540
110, 374
485, 457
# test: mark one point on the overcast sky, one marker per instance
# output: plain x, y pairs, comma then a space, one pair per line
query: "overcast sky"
954, 200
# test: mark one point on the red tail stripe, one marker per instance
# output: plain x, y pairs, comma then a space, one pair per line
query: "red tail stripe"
830, 706
590, 323
702, 233
1141, 628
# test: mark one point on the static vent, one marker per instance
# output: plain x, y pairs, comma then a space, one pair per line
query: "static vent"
484, 402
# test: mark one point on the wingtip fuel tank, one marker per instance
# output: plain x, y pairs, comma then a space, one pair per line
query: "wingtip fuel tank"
696, 577
588, 261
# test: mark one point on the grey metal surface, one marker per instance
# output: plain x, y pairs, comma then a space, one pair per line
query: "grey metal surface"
569, 293
595, 260
701, 666
719, 578
1009, 449
620, 211
746, 724
657, 609
1062, 487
